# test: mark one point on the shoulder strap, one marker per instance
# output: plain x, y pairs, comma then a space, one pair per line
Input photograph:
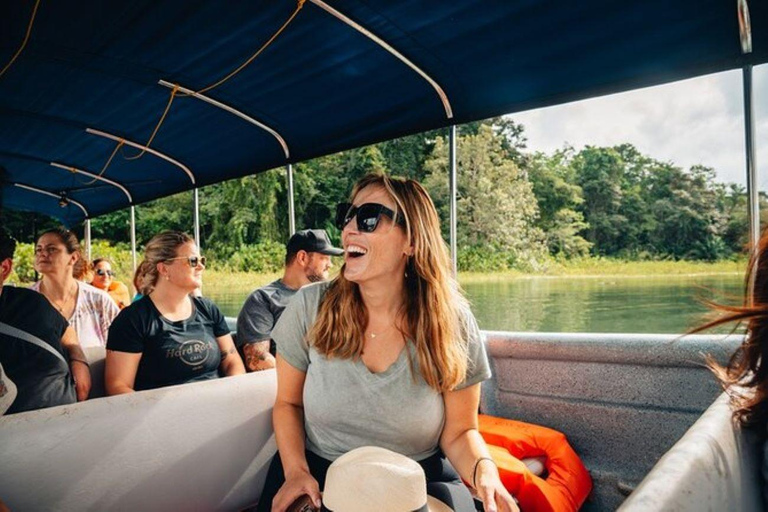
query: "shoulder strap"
30, 338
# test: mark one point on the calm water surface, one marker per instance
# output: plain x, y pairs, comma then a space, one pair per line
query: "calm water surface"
657, 304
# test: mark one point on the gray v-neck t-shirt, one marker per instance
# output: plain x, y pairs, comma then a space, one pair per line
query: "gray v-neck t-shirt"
347, 406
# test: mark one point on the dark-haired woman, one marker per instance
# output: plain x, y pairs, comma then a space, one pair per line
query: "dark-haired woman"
90, 311
103, 279
745, 377
168, 337
388, 354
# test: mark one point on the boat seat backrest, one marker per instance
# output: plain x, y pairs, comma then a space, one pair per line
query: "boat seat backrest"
96, 357
199, 446
715, 466
622, 400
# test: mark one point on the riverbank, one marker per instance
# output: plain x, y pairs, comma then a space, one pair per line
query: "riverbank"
593, 267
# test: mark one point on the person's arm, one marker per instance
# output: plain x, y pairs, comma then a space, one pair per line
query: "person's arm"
288, 420
254, 323
257, 356
120, 371
231, 364
462, 444
78, 364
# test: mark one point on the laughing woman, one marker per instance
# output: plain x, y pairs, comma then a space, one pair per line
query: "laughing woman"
168, 337
387, 354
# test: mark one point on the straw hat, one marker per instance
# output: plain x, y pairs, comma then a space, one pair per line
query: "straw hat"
372, 479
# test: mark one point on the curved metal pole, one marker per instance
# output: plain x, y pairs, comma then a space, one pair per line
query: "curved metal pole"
291, 208
373, 37
133, 238
197, 218
94, 176
231, 110
145, 148
51, 194
452, 199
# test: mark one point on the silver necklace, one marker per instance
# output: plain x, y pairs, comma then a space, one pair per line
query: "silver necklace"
374, 335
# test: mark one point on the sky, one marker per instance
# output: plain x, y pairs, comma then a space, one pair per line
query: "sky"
697, 121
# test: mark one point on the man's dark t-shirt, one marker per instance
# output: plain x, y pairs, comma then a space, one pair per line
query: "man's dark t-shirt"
171, 352
41, 378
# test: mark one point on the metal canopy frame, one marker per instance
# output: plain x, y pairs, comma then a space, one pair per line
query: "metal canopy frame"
431, 39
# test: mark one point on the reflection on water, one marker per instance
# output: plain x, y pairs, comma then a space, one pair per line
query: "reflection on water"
658, 304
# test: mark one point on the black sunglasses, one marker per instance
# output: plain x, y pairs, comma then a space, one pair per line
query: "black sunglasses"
103, 272
368, 216
193, 261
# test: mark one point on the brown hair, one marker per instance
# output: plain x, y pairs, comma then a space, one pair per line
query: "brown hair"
162, 247
433, 306
745, 376
72, 245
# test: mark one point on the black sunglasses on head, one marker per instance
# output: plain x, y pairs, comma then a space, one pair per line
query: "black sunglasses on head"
103, 272
368, 216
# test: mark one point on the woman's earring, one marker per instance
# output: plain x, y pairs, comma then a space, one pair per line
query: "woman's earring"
167, 277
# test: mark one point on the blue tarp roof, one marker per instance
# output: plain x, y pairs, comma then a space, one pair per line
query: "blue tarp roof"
322, 85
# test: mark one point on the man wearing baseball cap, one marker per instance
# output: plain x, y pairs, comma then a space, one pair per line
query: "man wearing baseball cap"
307, 260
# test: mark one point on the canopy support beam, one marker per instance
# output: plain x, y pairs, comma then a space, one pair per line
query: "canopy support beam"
87, 239
373, 37
196, 215
231, 110
291, 205
51, 194
452, 199
749, 142
95, 177
144, 148
133, 238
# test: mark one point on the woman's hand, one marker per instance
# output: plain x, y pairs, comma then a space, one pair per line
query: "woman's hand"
294, 487
82, 375
490, 489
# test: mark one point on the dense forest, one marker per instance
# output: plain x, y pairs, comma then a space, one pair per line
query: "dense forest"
517, 209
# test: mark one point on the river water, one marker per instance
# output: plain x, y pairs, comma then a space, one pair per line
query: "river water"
656, 304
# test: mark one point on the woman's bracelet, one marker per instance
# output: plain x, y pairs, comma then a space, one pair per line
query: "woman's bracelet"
75, 360
474, 471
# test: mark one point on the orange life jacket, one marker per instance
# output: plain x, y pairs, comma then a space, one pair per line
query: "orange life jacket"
567, 484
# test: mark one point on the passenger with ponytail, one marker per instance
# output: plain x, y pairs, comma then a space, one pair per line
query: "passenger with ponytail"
169, 337
387, 354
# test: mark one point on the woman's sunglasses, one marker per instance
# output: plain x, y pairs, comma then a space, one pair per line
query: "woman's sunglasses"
193, 261
101, 272
368, 216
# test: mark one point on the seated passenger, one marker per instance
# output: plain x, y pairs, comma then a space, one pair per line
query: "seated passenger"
307, 260
103, 280
90, 311
169, 337
35, 344
387, 354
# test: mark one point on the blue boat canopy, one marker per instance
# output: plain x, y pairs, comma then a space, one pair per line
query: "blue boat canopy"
95, 74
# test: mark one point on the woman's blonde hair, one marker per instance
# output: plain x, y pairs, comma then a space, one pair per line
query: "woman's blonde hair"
162, 247
433, 306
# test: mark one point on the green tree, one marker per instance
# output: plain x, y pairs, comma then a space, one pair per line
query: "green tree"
559, 198
599, 173
496, 206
